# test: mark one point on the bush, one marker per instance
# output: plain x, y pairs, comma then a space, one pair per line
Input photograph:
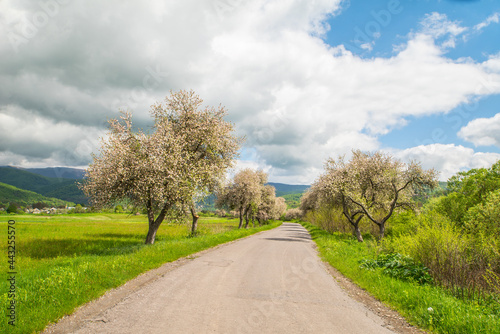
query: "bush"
78, 209
485, 217
400, 266
329, 219
12, 208
457, 261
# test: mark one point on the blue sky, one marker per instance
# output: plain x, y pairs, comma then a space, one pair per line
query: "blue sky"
302, 80
360, 21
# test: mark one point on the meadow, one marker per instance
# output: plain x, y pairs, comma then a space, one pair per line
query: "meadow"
64, 261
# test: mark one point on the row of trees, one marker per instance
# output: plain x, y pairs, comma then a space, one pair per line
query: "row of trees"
249, 195
370, 186
182, 159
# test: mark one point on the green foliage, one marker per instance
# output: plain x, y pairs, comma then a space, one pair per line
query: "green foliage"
12, 208
402, 223
399, 266
468, 189
118, 209
77, 209
423, 195
292, 200
485, 217
329, 219
457, 261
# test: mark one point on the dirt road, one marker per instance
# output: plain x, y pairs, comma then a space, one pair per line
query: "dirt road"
272, 282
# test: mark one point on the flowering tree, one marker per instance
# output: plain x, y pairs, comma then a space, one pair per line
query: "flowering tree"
188, 150
270, 207
243, 194
332, 188
372, 186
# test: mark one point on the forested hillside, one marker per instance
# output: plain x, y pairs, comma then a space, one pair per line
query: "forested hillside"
62, 188
287, 189
12, 195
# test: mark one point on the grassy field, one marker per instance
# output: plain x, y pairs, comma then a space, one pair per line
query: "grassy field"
64, 261
426, 306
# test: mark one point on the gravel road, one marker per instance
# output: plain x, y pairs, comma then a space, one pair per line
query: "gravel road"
271, 282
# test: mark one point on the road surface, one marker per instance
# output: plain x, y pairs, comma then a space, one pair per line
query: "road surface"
271, 282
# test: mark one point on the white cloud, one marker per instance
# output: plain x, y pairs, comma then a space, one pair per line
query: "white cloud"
437, 25
494, 18
448, 159
482, 131
297, 99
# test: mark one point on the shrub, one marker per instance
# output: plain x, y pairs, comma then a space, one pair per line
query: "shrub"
485, 217
78, 209
400, 266
12, 208
457, 261
329, 219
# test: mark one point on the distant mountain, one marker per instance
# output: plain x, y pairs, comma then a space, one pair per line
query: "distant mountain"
11, 194
62, 188
287, 189
58, 172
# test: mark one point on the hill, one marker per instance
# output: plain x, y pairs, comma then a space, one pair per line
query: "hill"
290, 192
11, 194
288, 189
58, 172
62, 188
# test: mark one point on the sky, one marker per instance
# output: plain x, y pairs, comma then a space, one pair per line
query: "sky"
302, 80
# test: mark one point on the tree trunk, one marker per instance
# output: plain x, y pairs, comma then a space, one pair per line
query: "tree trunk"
357, 233
246, 218
154, 224
354, 223
150, 238
241, 218
253, 222
381, 227
194, 226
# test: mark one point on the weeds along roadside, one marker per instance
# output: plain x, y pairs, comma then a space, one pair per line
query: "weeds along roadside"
65, 263
427, 306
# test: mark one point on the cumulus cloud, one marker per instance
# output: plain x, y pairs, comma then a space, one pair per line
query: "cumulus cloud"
448, 159
297, 99
482, 131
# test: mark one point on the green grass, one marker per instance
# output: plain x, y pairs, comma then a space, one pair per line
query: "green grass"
64, 261
448, 314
